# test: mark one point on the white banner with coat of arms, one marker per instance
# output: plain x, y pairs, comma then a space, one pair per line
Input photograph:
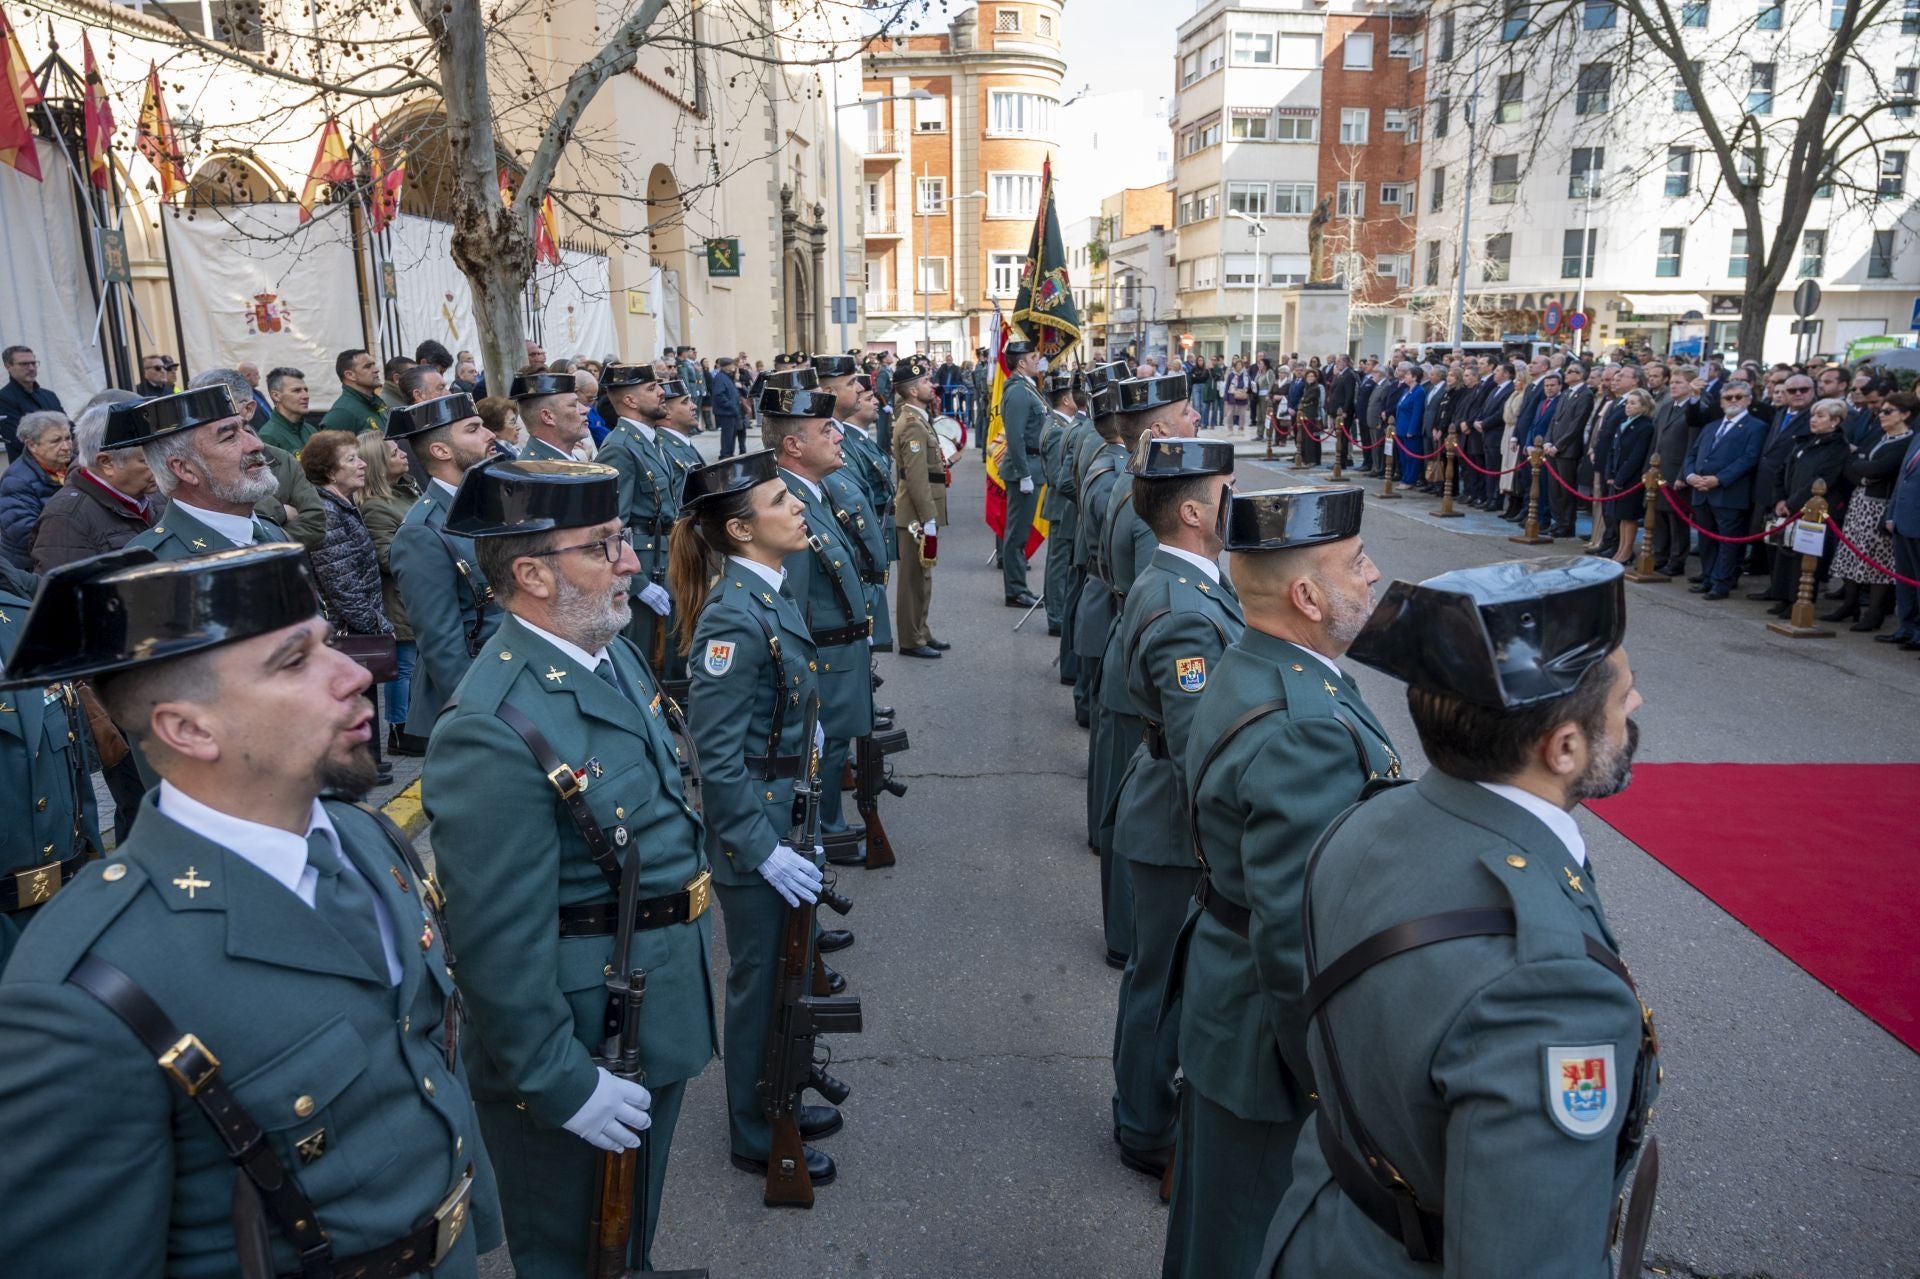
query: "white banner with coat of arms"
576, 307
255, 285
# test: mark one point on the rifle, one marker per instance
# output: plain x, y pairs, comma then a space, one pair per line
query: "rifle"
800, 1016
871, 776
613, 1227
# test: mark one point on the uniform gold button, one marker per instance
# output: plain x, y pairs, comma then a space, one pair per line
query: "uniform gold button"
303, 1106
428, 1085
505, 656
769, 794
114, 873
1297, 668
458, 1144
1516, 861
620, 813
41, 804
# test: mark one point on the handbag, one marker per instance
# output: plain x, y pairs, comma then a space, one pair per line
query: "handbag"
376, 654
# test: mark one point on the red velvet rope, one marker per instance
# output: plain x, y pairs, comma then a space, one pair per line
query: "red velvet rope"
1509, 471
1666, 491
1308, 431
1356, 443
1866, 559
1588, 497
1400, 449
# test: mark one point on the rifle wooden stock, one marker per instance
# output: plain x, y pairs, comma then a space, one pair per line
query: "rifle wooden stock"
871, 776
789, 1185
657, 651
879, 847
613, 1215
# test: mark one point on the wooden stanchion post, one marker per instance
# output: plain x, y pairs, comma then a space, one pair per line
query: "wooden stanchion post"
1389, 463
1800, 622
1272, 425
1299, 443
1536, 460
1643, 569
1339, 449
1451, 448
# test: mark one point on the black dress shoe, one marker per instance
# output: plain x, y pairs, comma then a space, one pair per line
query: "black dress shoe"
1151, 1162
1714, 595
835, 982
820, 1169
1780, 610
922, 650
1114, 958
882, 712
816, 1122
1910, 646
1898, 637
1698, 578
940, 644
1763, 595
401, 742
384, 775
1053, 628
1699, 588
1025, 599
832, 939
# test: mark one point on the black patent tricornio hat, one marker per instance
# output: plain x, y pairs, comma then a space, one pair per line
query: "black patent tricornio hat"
1503, 635
801, 378
124, 609
616, 376
533, 386
797, 401
835, 365
673, 389
1183, 459
429, 415
729, 475
1285, 519
134, 422
1059, 380
1103, 375
498, 498
1140, 394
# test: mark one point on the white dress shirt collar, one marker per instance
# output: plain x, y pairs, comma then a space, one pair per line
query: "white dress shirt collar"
675, 434
580, 655
817, 491
645, 429
776, 578
451, 491
238, 529
1552, 816
1207, 566
280, 853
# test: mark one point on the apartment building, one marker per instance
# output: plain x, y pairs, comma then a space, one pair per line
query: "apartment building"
1128, 274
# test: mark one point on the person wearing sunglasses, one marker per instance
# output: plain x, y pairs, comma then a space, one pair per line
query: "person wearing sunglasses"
1720, 471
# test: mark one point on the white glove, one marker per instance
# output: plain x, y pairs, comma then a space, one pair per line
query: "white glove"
792, 876
655, 597
614, 1116
929, 528
1026, 484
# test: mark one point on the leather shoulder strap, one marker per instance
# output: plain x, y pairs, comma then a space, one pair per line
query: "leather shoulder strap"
566, 785
1248, 716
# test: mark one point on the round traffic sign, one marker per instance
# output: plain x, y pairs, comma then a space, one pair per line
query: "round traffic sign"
1577, 321
1186, 341
1550, 319
1806, 299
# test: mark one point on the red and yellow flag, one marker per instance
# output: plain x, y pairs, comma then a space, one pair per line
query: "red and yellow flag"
332, 163
98, 115
386, 183
546, 234
994, 508
19, 96
156, 139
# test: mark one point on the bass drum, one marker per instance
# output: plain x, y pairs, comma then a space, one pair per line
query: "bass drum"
953, 437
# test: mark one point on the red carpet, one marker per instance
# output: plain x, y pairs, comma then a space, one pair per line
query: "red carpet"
1821, 860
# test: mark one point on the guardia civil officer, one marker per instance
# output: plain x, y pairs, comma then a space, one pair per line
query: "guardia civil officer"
53, 821
1082, 442
753, 670
232, 1045
1100, 471
1060, 390
861, 420
1178, 618
443, 585
679, 418
634, 450
922, 501
555, 765
797, 424
1502, 1074
1023, 416
1281, 742
852, 499
206, 462
551, 411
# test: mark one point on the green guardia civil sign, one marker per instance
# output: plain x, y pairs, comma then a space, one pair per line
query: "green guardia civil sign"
723, 259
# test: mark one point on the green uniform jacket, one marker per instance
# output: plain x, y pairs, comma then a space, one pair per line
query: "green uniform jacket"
354, 413
1053, 443
45, 790
509, 858
1172, 632
647, 501
1128, 548
1267, 798
865, 536
1023, 415
178, 535
682, 456
1095, 612
538, 450
448, 601
846, 687
1454, 1053
111, 1170
288, 436
867, 462
731, 710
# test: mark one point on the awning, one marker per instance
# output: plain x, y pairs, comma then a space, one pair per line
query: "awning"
1665, 303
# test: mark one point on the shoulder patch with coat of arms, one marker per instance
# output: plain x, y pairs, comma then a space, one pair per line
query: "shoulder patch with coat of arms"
1191, 672
719, 658
1582, 1095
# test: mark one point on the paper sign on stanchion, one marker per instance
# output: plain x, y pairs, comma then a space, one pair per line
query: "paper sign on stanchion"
1809, 539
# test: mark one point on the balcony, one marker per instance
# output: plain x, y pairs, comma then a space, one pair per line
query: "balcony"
884, 146
883, 225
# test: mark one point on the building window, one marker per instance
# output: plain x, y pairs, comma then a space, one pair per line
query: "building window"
1499, 263
1003, 273
1760, 89
1189, 68
1880, 256
1353, 125
1513, 21
930, 195
1838, 104
1505, 175
1893, 175
1404, 45
1287, 268
1836, 14
1044, 24
1350, 200
1571, 265
1011, 195
1397, 266
1432, 276
1910, 18
1297, 124
1813, 254
1205, 272
1397, 195
1247, 197
1903, 93
1240, 270
1438, 200
1210, 134
1679, 171
1006, 20
1293, 199
1824, 189
1682, 98
1585, 178
1597, 15
1183, 276
1693, 13
1769, 19
1737, 256
1398, 120
930, 115
1250, 128
1751, 166
1299, 52
1666, 262
1020, 115
1506, 108
1445, 53
933, 275
1357, 51
1594, 94
1253, 48
1442, 108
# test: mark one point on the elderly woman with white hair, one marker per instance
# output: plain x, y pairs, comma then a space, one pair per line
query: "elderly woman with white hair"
46, 442
1623, 466
107, 498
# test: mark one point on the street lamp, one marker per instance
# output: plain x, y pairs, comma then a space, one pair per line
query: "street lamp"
840, 193
1254, 225
953, 252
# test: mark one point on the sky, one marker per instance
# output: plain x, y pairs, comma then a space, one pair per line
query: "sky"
1121, 52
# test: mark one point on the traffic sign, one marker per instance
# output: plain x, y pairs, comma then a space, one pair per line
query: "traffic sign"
1550, 319
1186, 341
1577, 321
1806, 299
1915, 326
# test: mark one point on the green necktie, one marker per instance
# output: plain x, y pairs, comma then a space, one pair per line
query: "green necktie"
608, 672
346, 902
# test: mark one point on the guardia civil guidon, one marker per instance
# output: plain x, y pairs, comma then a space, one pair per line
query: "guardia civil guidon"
638, 455
921, 502
1023, 416
1085, 439
1179, 617
1149, 408
1280, 743
1061, 387
233, 1045
441, 581
564, 837
1485, 1066
861, 491
755, 680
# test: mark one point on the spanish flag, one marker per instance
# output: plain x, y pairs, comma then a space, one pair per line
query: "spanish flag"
385, 183
994, 510
19, 96
97, 113
546, 234
331, 164
156, 139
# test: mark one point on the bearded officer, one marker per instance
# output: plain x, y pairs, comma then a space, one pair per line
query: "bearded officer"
1280, 743
555, 419
679, 419
918, 454
207, 463
853, 501
1502, 1075
256, 978
861, 420
1060, 389
634, 450
555, 764
1178, 619
449, 604
1023, 416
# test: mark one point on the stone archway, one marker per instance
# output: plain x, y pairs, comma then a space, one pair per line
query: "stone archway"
667, 247
233, 177
796, 327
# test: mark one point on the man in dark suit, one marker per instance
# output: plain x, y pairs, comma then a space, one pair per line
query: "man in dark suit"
1676, 425
1385, 401
1341, 388
1792, 423
1720, 470
22, 395
1489, 425
1565, 440
1903, 513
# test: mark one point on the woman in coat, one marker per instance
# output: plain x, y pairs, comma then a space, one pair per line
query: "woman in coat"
345, 563
1512, 432
1310, 418
1867, 593
1822, 455
1623, 465
46, 448
389, 494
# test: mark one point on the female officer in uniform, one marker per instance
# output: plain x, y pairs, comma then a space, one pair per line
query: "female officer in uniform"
753, 675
